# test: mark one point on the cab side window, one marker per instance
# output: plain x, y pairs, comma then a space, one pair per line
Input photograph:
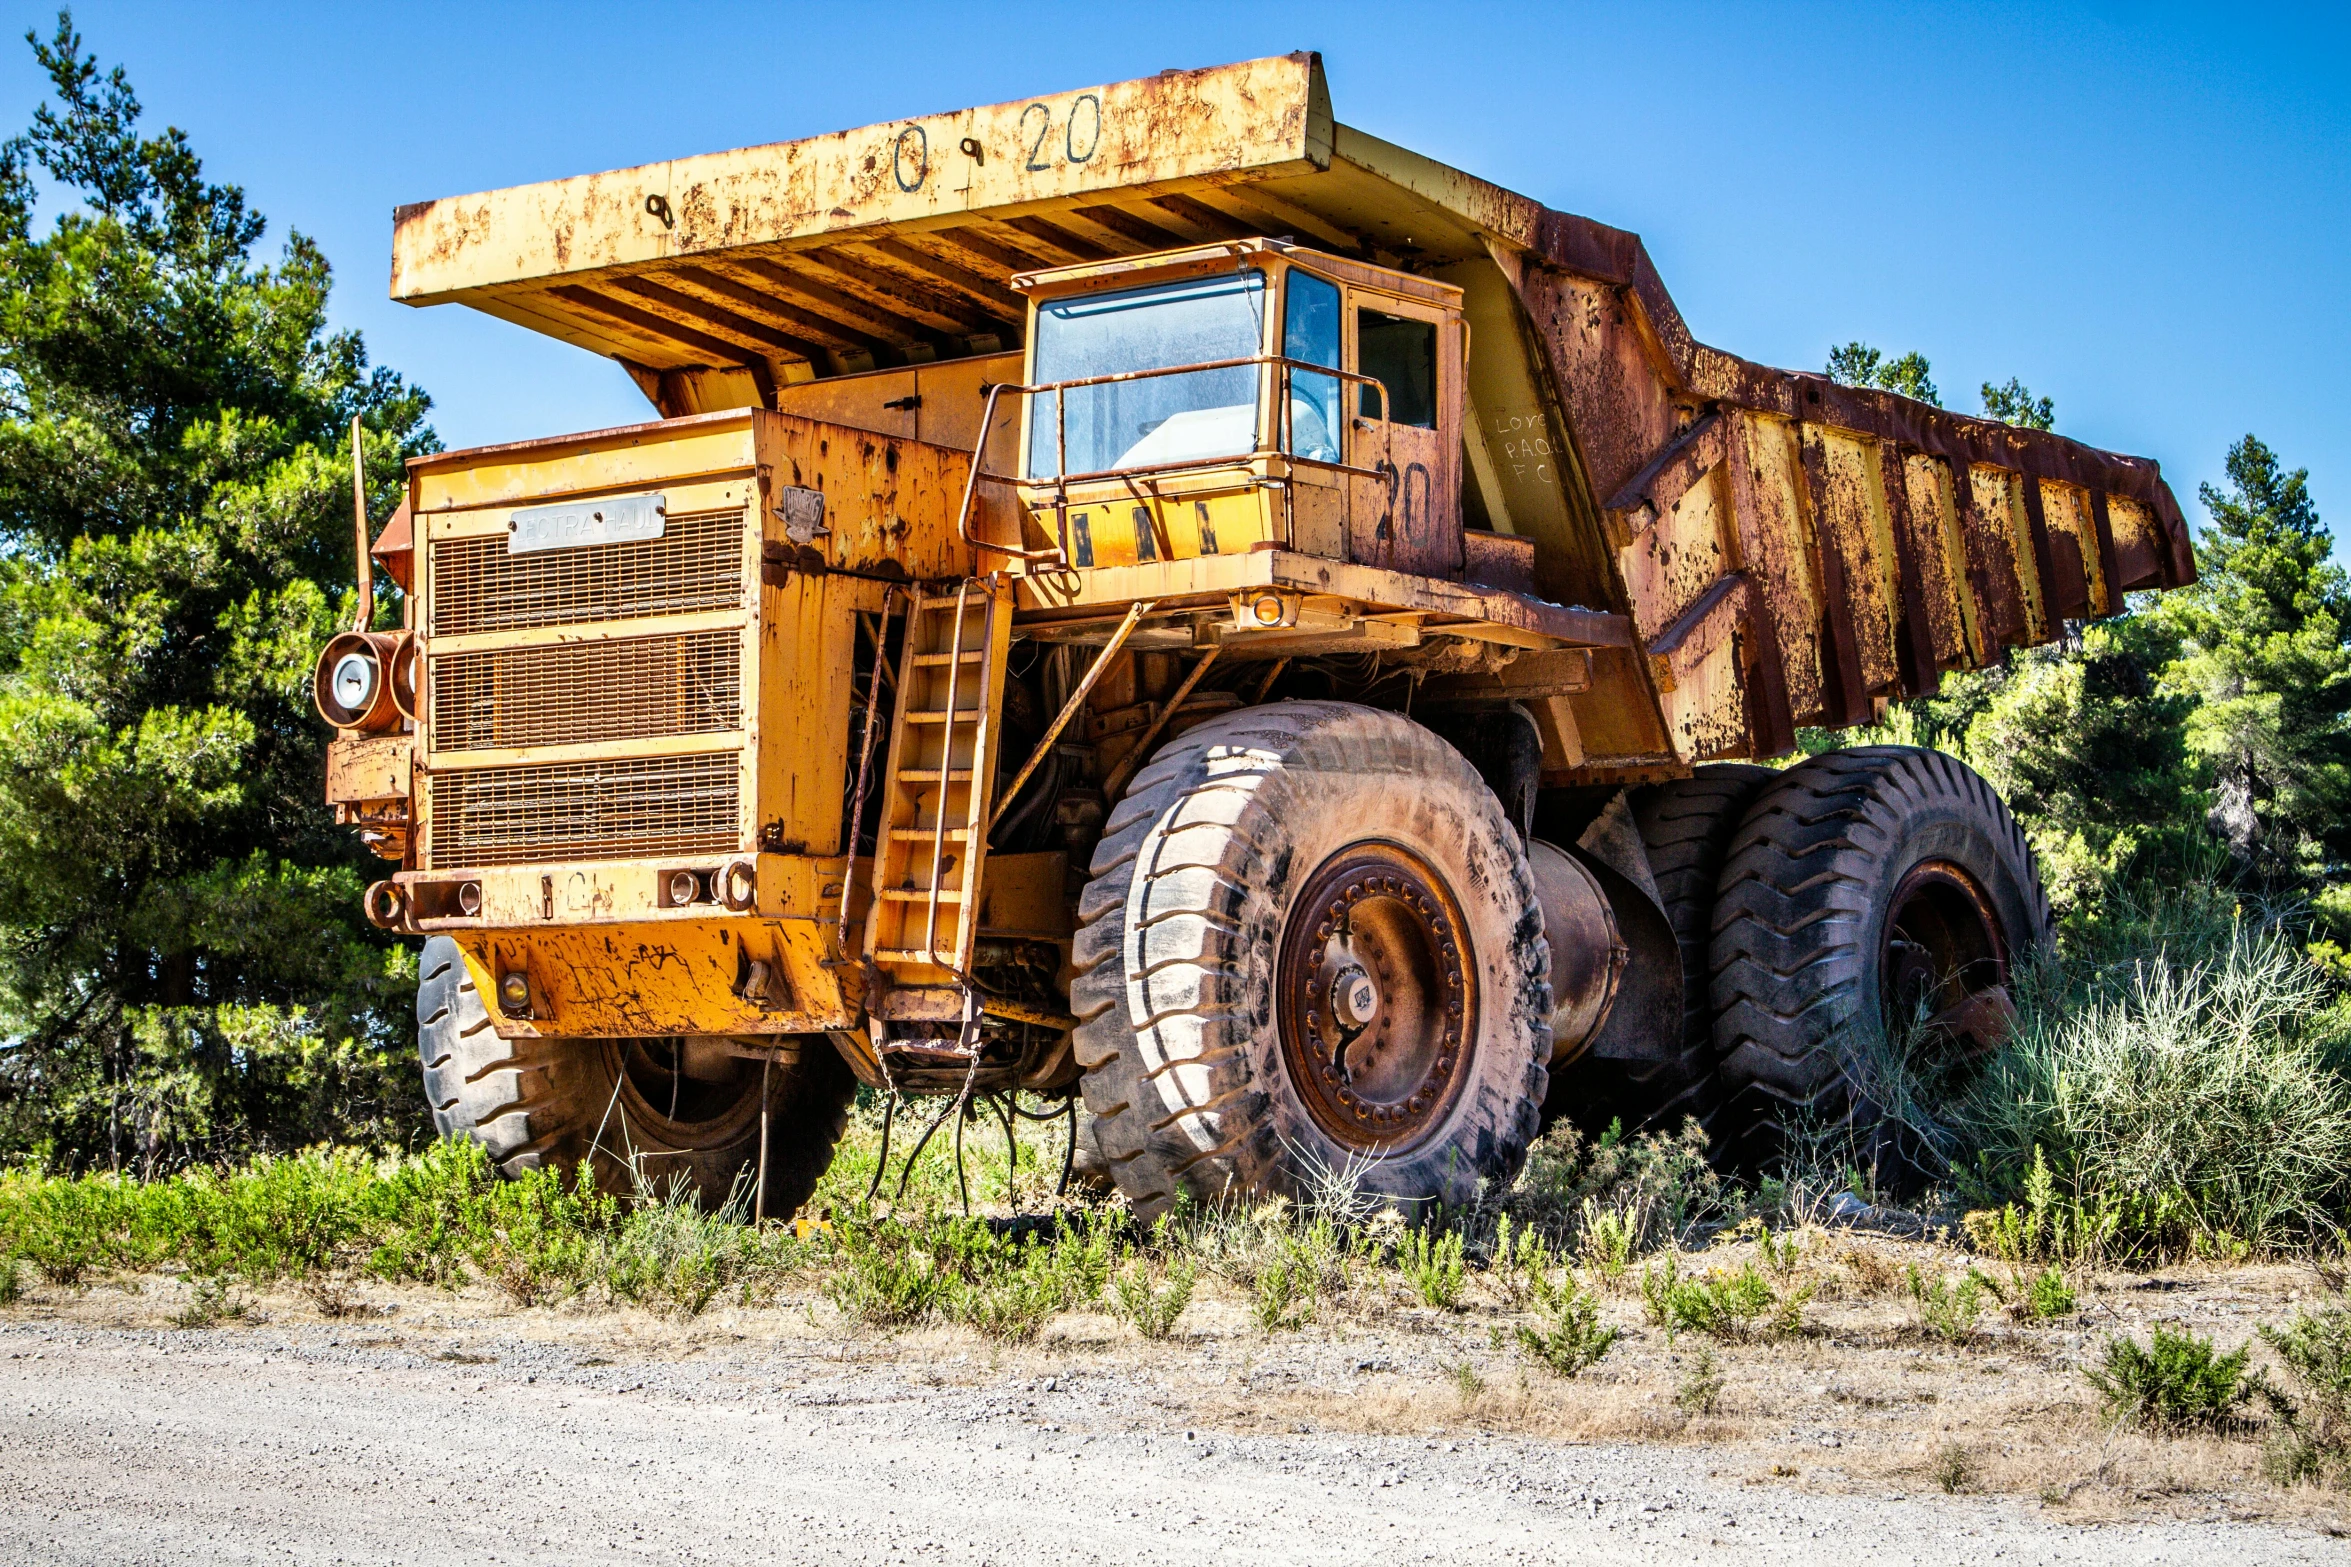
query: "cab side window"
1401, 354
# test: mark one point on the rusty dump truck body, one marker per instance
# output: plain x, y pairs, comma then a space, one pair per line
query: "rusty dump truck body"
639, 771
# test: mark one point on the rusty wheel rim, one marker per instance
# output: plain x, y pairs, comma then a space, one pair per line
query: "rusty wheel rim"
1943, 965
1376, 999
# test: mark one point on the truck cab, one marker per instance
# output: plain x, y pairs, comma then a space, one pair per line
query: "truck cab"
1221, 399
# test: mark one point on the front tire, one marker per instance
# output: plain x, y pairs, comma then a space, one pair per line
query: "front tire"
1311, 943
624, 1106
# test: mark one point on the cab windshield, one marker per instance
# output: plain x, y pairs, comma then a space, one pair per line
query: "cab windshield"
1160, 420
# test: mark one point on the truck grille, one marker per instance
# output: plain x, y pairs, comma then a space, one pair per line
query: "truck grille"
570, 693
695, 566
621, 809
612, 691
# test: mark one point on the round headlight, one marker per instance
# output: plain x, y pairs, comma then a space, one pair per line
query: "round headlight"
354, 681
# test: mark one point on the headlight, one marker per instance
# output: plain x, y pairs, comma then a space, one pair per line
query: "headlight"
353, 688
354, 681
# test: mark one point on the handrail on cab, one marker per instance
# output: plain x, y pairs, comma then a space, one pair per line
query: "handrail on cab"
1063, 479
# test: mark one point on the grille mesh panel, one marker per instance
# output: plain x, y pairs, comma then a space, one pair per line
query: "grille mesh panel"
621, 809
695, 566
577, 692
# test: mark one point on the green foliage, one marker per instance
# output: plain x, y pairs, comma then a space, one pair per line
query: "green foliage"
1606, 1243
535, 1237
2015, 404
1153, 1309
1949, 1308
2048, 1294
1432, 1264
2179, 1382
184, 974
893, 1273
1722, 1303
2090, 750
1954, 1468
1284, 1295
1699, 1392
2311, 1439
1858, 364
2174, 1099
2265, 634
1650, 1188
1567, 1337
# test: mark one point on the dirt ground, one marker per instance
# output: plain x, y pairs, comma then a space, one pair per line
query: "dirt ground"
439, 1427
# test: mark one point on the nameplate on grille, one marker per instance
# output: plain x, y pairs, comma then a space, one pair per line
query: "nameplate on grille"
616, 519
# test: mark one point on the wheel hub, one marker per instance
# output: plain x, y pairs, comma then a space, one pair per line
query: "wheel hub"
1376, 998
1944, 968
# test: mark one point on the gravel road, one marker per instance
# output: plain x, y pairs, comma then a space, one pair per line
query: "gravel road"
321, 1443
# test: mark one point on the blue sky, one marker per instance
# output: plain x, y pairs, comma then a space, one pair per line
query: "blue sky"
2143, 211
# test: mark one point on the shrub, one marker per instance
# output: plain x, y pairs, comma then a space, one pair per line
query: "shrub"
1522, 1263
1569, 1337
1152, 1310
11, 1279
1948, 1308
1722, 1304
2048, 1295
2179, 1382
1284, 1296
668, 1256
1954, 1468
1432, 1264
2202, 1093
536, 1237
1654, 1187
1606, 1243
1700, 1390
2312, 1438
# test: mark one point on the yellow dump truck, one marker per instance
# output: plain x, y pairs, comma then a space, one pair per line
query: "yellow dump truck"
1153, 596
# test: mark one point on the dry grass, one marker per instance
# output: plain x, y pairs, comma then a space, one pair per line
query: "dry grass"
1858, 1400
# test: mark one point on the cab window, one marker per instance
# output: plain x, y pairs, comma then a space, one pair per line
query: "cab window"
1160, 420
1401, 354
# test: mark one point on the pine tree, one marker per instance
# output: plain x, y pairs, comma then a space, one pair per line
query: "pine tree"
2015, 404
2266, 653
181, 969
1858, 364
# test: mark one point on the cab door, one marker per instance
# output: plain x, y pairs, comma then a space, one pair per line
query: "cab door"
1408, 517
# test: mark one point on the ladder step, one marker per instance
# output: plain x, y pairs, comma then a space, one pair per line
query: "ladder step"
939, 715
953, 775
968, 657
919, 895
928, 834
903, 955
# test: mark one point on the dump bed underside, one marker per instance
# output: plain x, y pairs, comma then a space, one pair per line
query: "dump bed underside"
1787, 550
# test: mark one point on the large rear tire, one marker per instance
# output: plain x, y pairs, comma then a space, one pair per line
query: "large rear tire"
1873, 906
624, 1105
1311, 943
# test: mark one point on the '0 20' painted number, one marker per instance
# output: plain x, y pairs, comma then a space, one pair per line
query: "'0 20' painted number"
1081, 138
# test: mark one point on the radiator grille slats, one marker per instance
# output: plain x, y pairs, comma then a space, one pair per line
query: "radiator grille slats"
695, 566
619, 809
573, 693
